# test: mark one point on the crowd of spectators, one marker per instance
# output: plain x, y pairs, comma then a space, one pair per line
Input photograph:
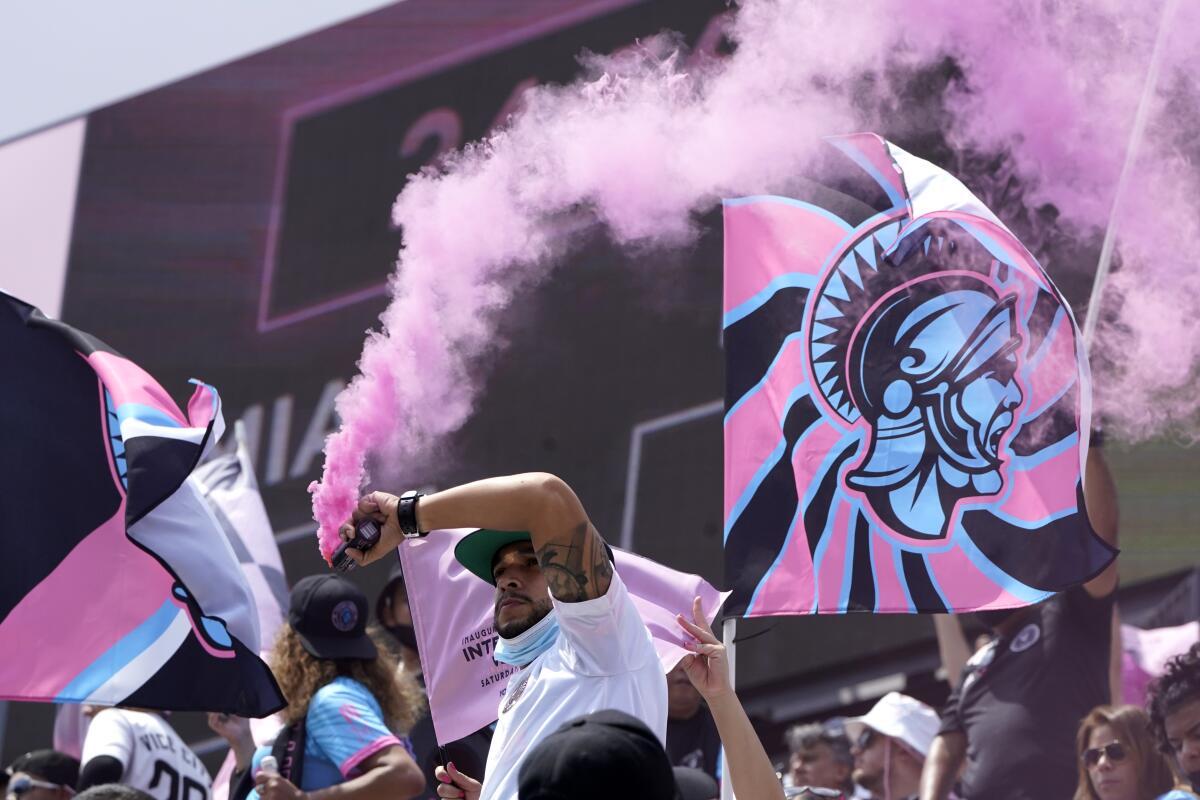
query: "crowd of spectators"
1117, 752
1029, 717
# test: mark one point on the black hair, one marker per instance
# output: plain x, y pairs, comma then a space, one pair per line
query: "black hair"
49, 765
1178, 685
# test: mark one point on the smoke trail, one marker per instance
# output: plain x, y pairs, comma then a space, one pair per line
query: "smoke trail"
642, 145
639, 146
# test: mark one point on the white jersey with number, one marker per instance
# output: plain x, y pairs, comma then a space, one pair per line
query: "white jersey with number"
154, 757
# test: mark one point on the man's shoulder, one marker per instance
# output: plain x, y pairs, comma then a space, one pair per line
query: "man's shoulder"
115, 719
1078, 600
1074, 618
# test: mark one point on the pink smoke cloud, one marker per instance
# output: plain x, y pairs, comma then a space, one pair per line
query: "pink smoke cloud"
643, 143
1058, 85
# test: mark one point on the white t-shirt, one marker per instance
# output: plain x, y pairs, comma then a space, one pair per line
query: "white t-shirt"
156, 760
603, 658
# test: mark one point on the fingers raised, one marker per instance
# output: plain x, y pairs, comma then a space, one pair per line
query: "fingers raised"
704, 635
698, 617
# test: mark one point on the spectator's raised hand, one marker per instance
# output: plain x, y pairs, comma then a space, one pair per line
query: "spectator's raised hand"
229, 727
707, 666
236, 731
453, 784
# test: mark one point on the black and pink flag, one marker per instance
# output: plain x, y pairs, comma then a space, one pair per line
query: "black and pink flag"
117, 584
907, 400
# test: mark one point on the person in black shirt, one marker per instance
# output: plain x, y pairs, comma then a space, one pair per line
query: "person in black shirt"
692, 739
1013, 716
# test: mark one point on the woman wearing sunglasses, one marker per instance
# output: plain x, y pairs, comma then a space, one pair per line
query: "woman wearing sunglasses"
1118, 759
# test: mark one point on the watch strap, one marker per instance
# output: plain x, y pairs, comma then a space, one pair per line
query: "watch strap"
406, 514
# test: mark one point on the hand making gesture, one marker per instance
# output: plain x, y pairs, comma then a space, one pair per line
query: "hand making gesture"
707, 666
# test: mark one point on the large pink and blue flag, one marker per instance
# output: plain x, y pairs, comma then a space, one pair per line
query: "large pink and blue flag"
452, 616
117, 585
907, 400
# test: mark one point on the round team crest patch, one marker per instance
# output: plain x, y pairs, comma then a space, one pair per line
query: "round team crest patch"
1026, 638
345, 616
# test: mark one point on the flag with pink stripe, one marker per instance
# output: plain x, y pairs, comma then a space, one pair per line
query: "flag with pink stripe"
907, 400
108, 542
452, 615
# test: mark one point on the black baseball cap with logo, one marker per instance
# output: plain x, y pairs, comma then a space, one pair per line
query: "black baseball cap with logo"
329, 614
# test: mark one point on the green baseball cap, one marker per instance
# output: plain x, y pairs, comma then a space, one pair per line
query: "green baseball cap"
477, 550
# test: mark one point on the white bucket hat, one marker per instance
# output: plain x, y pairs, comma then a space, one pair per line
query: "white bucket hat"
900, 717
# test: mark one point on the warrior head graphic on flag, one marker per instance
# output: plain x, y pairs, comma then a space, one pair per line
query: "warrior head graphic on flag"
907, 400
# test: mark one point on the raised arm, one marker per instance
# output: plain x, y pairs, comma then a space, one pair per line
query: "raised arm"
569, 550
747, 765
1100, 496
952, 646
942, 765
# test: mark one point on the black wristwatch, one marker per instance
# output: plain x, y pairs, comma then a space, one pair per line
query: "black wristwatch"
406, 514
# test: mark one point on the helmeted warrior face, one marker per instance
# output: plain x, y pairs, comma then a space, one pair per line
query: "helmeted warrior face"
931, 365
935, 377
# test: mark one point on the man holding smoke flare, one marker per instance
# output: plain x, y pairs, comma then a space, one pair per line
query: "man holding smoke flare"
562, 613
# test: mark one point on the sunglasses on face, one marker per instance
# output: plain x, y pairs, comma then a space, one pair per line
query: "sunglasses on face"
1114, 751
864, 739
23, 784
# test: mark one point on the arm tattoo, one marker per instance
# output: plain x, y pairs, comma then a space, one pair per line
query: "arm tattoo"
576, 566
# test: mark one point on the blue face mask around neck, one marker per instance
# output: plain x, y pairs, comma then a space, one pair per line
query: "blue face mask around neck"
525, 647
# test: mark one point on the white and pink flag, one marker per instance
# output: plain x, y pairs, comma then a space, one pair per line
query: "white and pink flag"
452, 615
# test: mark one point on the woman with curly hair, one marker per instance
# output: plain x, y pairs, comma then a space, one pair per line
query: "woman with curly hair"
1174, 705
1118, 759
345, 704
